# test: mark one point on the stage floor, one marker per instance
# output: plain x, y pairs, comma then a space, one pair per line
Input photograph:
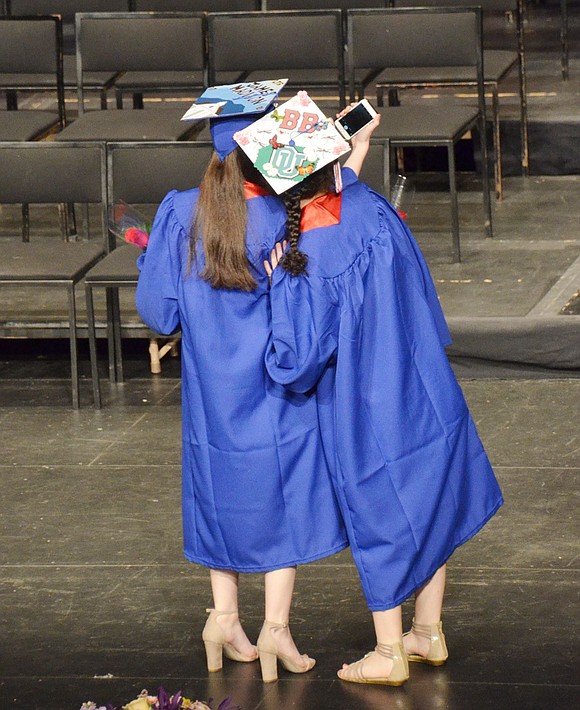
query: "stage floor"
96, 601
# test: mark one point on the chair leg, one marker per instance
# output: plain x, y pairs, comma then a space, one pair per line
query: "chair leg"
25, 223
454, 203
488, 220
74, 360
110, 336
138, 101
387, 169
118, 348
119, 99
11, 100
104, 103
497, 162
564, 37
525, 151
93, 346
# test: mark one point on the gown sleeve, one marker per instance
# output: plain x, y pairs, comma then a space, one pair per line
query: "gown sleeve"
304, 331
160, 267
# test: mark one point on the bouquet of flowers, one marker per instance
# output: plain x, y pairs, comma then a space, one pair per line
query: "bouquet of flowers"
129, 224
164, 701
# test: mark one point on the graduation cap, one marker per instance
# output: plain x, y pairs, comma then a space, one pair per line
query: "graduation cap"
232, 107
291, 142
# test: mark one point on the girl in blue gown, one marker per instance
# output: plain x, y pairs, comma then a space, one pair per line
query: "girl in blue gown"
257, 494
355, 316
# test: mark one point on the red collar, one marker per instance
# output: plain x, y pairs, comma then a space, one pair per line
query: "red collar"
253, 190
324, 211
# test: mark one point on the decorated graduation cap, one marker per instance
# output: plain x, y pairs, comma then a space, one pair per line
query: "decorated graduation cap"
291, 142
233, 107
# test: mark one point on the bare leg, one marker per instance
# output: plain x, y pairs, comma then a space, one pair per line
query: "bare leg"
389, 630
428, 606
279, 588
224, 587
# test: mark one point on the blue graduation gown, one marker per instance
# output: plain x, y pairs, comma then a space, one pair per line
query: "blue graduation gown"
257, 493
365, 327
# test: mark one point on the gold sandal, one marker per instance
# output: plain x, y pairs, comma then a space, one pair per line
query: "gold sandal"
437, 654
399, 672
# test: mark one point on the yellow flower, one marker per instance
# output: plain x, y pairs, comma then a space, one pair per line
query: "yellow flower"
138, 704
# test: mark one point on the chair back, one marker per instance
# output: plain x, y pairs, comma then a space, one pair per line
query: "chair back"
33, 45
490, 9
415, 37
143, 173
276, 42
52, 172
30, 45
196, 5
138, 42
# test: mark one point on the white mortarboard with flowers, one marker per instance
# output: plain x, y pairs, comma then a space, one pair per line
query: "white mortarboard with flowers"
291, 142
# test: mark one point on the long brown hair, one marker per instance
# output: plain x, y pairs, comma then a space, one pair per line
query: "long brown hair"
221, 220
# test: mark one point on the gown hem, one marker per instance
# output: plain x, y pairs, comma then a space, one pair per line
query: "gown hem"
268, 568
406, 595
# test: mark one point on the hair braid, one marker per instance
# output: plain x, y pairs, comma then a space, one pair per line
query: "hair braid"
294, 261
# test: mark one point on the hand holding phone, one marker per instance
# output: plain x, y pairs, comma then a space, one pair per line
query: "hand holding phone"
352, 122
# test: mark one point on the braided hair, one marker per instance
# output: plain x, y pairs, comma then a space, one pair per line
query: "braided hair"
295, 261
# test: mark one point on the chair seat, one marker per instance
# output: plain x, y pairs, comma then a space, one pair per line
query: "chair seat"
163, 80
297, 77
425, 125
496, 64
43, 262
131, 125
92, 80
25, 125
120, 266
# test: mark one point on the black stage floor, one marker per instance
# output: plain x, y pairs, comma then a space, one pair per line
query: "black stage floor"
96, 601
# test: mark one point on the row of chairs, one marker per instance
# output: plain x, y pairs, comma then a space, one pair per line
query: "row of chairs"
110, 55
397, 39
47, 173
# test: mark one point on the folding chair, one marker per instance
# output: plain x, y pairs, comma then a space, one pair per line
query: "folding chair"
50, 172
30, 46
133, 42
305, 46
94, 81
161, 167
426, 37
497, 65
192, 77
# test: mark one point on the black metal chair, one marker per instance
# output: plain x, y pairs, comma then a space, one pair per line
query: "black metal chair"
497, 65
304, 46
99, 82
30, 46
191, 77
161, 167
49, 172
120, 42
427, 37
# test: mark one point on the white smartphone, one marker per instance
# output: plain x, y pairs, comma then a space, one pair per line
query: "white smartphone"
355, 120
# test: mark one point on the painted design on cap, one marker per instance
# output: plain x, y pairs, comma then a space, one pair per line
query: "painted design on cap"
291, 142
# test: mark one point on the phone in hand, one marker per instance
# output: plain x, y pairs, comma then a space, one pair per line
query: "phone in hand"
355, 120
